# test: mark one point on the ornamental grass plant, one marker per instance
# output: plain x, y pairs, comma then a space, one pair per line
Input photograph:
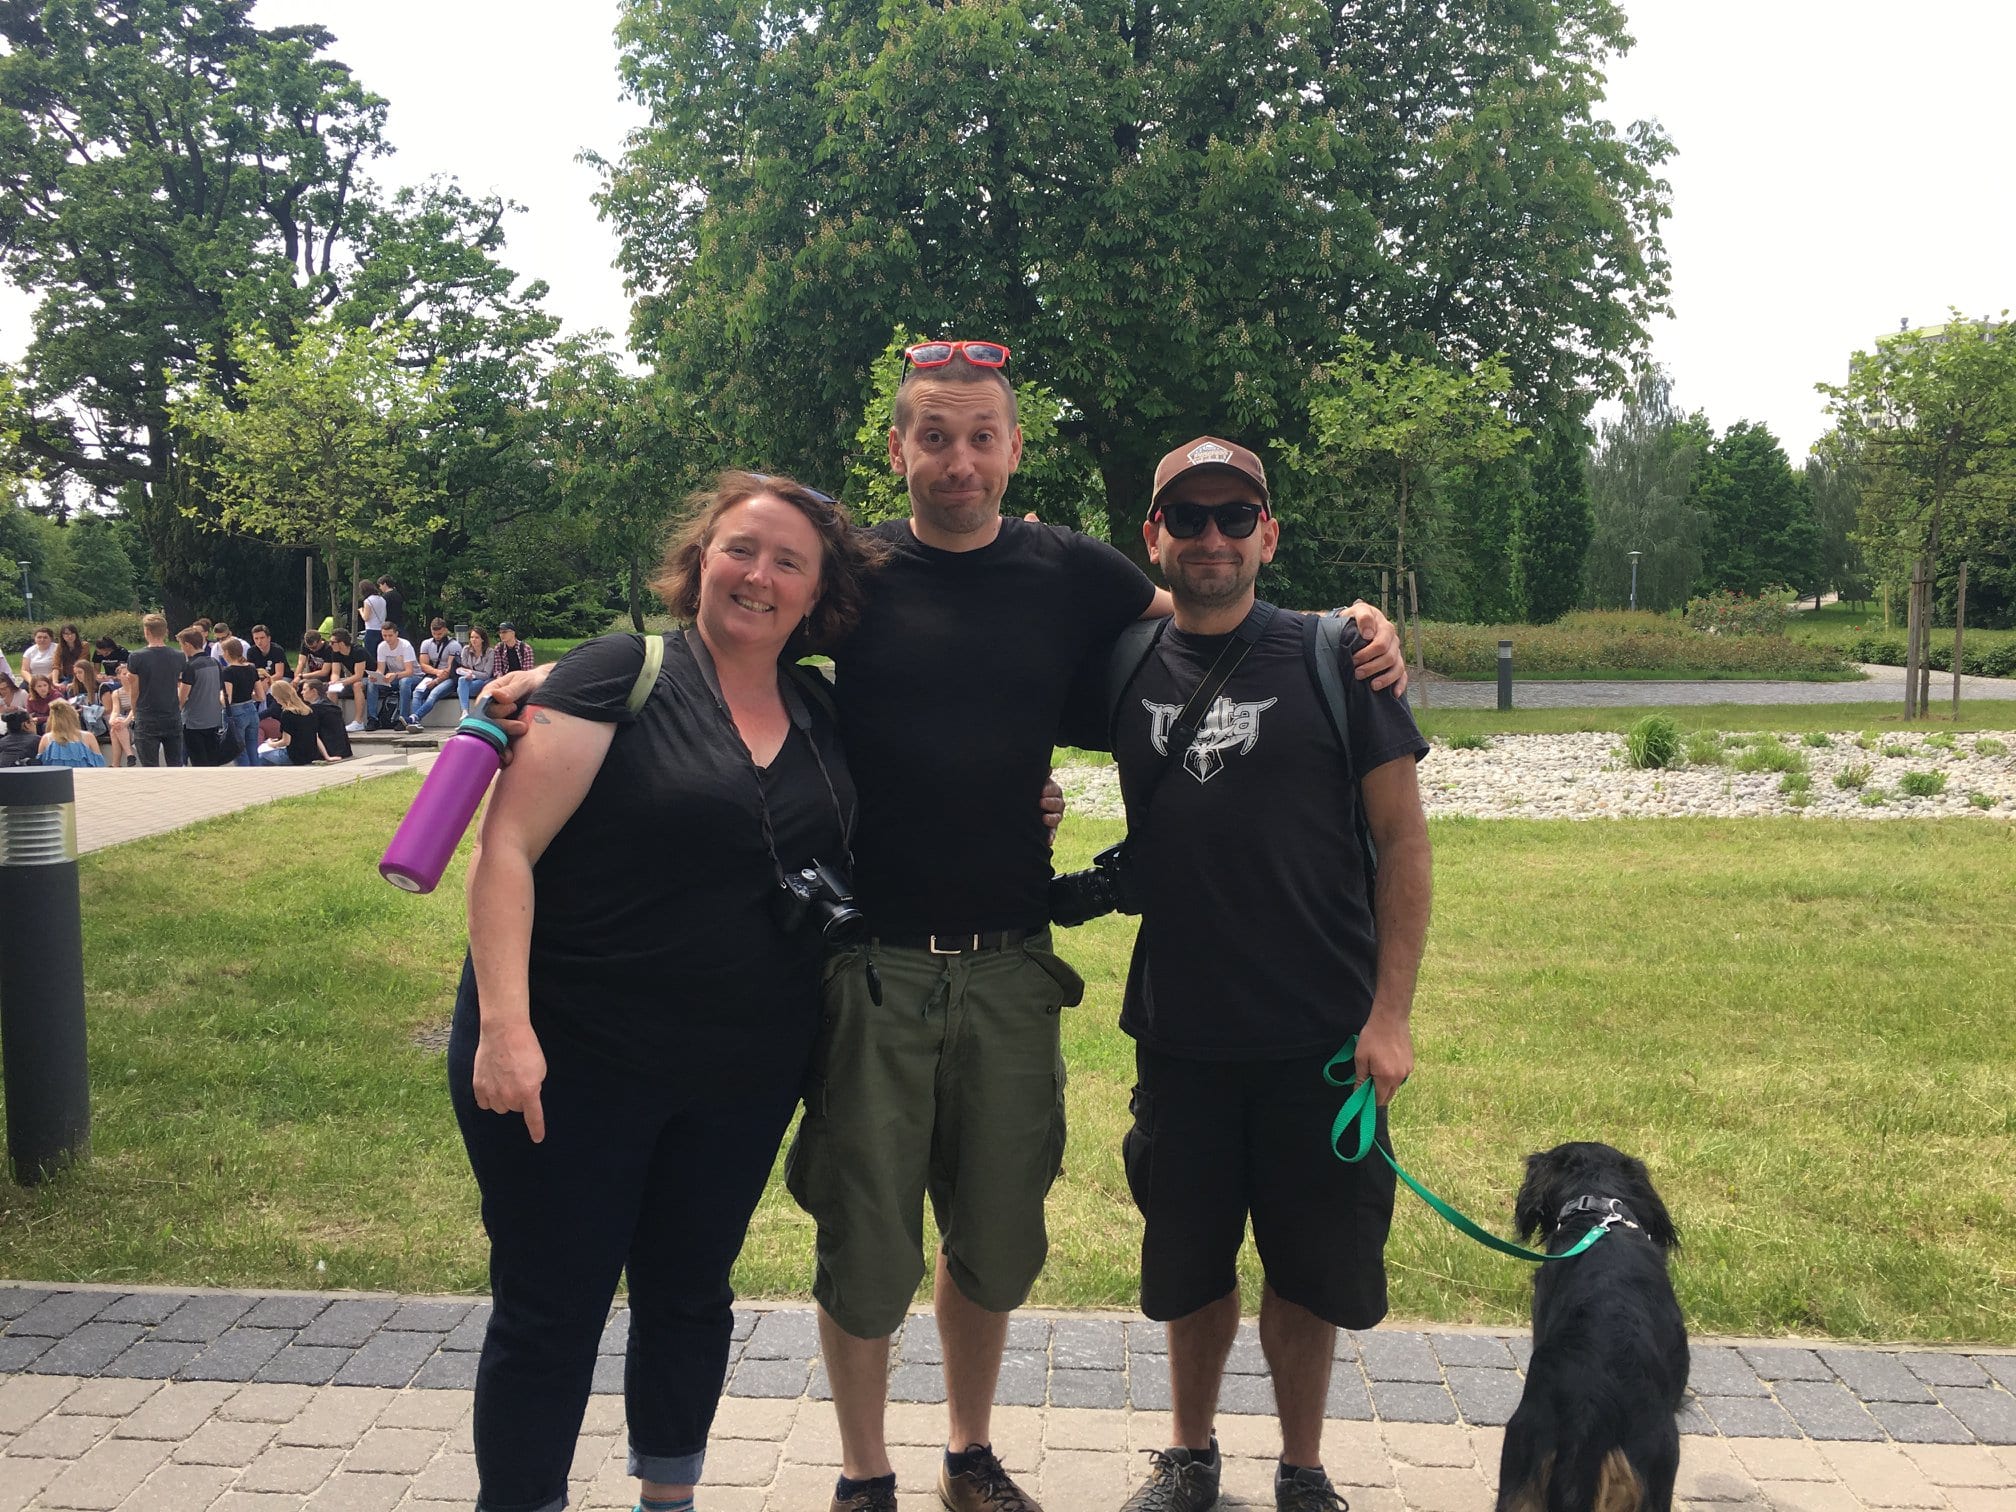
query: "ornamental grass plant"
1621, 644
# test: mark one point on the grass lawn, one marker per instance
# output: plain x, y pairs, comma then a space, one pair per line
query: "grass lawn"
1805, 1033
1975, 714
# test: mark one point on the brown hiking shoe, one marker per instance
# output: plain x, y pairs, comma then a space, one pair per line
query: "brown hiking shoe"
984, 1488
874, 1496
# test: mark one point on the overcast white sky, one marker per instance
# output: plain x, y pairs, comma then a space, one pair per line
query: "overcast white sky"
1842, 164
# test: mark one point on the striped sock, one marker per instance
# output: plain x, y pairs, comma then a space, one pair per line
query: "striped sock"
683, 1504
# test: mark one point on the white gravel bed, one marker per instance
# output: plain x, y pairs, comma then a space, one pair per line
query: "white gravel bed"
1587, 777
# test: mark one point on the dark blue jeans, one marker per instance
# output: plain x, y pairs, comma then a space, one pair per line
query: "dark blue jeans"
652, 1175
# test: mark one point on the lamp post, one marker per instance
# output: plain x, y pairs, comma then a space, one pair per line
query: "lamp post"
1634, 578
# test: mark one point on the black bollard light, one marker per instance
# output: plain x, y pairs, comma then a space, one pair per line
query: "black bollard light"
1504, 675
42, 1055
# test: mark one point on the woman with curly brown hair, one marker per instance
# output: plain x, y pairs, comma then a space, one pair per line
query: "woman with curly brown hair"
641, 998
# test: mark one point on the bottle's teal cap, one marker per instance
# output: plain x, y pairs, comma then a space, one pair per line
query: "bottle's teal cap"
483, 729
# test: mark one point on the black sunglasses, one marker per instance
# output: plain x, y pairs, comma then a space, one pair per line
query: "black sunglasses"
1235, 521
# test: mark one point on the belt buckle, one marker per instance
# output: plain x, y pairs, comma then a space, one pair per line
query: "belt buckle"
972, 942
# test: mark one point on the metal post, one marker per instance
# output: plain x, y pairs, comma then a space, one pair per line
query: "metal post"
1634, 579
42, 1055
1959, 635
1504, 675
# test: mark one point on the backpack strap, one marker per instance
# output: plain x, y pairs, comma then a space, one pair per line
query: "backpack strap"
815, 685
1130, 654
1322, 652
647, 675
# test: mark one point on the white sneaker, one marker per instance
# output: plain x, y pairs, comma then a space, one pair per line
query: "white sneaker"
355, 727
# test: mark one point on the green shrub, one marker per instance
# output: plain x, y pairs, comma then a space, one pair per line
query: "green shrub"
1981, 800
1940, 740
1988, 745
1653, 741
15, 634
1469, 741
1894, 748
1922, 784
1851, 777
1771, 755
1873, 798
1815, 739
1996, 658
1729, 613
1704, 748
1866, 740
1795, 782
1620, 642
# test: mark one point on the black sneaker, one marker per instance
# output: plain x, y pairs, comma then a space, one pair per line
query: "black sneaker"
1178, 1481
1307, 1491
983, 1487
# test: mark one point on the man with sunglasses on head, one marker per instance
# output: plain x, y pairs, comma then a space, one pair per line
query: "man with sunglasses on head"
1265, 945
938, 1072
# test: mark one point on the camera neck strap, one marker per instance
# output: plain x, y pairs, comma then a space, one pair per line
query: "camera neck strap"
1183, 733
801, 716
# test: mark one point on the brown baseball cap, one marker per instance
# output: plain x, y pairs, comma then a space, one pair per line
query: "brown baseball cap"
1209, 452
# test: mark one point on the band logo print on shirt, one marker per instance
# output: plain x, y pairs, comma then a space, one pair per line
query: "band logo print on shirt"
1228, 724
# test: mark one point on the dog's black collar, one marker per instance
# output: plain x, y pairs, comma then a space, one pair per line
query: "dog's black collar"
1612, 1210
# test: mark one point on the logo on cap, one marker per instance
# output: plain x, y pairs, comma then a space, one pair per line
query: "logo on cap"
1208, 451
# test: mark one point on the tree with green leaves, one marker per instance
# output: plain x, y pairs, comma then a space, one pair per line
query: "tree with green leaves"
1385, 428
1551, 534
172, 174
1929, 421
1641, 495
1173, 216
1758, 519
1834, 484
315, 447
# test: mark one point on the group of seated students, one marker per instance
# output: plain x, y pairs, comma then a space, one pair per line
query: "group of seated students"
74, 705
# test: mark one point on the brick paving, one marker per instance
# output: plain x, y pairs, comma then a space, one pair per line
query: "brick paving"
158, 1401
116, 806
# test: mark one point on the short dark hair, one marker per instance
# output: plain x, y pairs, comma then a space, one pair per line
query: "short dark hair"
261, 630
958, 370
437, 623
847, 555
339, 635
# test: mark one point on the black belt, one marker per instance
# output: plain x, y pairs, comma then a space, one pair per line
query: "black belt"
959, 944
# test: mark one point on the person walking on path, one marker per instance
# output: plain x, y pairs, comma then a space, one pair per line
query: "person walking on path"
157, 696
1264, 948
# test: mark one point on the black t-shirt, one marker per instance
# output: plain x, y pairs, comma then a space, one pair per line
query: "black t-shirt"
329, 725
395, 612
300, 730
345, 662
950, 691
157, 708
109, 662
269, 660
203, 709
19, 749
653, 941
1257, 937
242, 679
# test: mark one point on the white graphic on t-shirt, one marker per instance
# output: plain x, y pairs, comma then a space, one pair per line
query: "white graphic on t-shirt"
1228, 724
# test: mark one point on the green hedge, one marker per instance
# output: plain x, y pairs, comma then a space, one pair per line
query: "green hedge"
1611, 642
18, 634
1993, 659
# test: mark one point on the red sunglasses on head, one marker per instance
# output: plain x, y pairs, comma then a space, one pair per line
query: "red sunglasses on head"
930, 354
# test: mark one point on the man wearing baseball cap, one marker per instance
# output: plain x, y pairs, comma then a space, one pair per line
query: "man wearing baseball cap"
1266, 944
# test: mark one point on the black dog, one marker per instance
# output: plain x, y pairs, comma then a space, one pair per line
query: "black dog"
1595, 1430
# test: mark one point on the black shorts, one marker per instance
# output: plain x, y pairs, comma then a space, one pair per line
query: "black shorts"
1213, 1141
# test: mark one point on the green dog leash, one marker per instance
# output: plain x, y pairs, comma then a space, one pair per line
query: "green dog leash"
1362, 1108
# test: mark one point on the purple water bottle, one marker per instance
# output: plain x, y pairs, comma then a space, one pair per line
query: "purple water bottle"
447, 801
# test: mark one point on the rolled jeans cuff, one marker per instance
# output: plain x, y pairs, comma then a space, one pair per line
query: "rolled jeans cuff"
668, 1469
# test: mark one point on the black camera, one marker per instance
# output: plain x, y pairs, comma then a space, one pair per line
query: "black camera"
818, 896
1107, 886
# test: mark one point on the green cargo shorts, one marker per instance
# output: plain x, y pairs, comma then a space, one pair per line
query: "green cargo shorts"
953, 1088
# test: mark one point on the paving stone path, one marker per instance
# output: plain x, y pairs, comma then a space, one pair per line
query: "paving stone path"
1885, 685
159, 1400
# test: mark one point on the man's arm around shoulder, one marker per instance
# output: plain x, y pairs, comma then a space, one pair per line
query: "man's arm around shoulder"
1400, 905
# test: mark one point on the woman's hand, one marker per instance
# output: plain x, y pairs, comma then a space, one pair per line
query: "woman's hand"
510, 1070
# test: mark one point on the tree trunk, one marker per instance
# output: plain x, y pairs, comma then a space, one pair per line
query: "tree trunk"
1912, 649
636, 596
1130, 486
